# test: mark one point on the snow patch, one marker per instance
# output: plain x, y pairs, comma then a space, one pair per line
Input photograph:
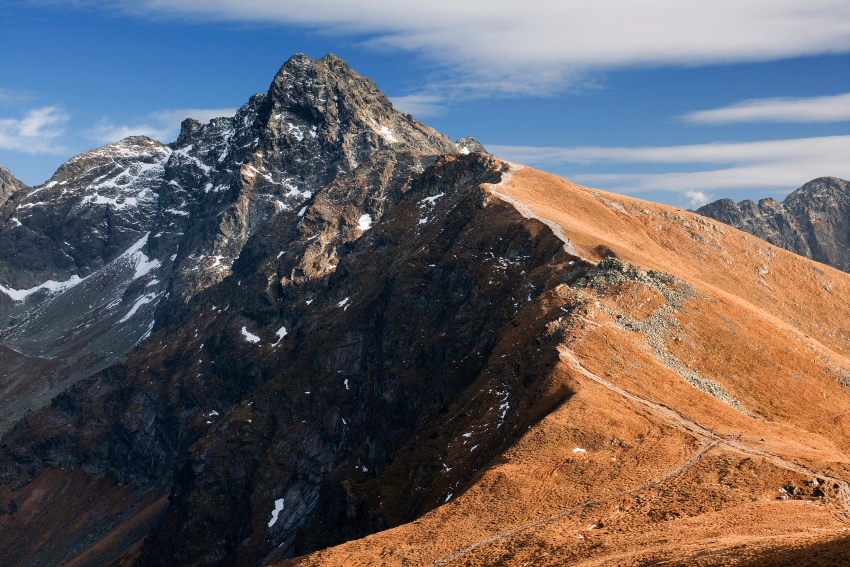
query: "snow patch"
431, 200
280, 334
364, 223
143, 264
579, 450
278, 508
42, 188
250, 337
295, 131
388, 135
344, 303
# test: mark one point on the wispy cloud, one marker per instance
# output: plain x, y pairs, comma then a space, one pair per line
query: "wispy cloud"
163, 125
539, 46
744, 165
421, 105
36, 132
813, 109
12, 96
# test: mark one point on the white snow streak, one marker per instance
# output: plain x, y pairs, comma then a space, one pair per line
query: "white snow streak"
50, 285
143, 300
278, 508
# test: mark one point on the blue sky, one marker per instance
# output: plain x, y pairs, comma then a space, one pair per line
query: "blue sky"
669, 100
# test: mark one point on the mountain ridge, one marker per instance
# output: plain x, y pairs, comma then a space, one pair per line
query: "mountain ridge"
434, 356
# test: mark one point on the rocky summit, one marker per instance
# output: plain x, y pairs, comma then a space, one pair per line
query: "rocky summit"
321, 333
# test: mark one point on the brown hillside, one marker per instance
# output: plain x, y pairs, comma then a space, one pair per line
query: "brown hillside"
706, 420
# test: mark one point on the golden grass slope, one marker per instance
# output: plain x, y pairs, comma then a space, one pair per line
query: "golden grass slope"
710, 423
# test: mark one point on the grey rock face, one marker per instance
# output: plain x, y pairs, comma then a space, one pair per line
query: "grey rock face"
120, 237
469, 144
813, 221
9, 184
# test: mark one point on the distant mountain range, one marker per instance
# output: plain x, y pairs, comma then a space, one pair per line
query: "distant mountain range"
813, 221
322, 333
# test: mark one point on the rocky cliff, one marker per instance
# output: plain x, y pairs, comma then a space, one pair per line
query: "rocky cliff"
813, 221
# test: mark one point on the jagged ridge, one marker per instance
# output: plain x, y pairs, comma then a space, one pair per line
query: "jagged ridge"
813, 221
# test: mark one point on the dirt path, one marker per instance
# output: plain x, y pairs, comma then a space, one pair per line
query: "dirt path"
689, 462
708, 440
685, 423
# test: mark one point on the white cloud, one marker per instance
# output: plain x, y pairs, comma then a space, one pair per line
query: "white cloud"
35, 133
163, 125
421, 105
770, 164
537, 46
814, 109
697, 198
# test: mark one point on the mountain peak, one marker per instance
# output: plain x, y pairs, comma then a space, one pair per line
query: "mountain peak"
819, 189
300, 62
328, 97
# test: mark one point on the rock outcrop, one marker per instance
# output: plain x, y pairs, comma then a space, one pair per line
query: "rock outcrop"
813, 221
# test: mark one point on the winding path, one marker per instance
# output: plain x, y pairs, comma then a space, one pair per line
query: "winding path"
708, 439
